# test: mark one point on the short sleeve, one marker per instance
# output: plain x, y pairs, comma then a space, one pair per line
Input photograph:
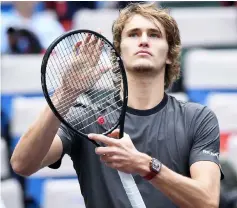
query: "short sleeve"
66, 137
206, 138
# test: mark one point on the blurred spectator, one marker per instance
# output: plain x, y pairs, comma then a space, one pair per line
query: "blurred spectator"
66, 9
36, 25
23, 41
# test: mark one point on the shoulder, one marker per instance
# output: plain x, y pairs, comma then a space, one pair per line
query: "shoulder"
188, 109
198, 119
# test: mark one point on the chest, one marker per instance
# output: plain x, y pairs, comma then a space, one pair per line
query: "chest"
166, 140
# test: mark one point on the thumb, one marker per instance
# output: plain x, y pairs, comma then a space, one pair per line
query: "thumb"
115, 133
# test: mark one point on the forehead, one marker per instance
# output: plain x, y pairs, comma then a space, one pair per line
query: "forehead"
141, 22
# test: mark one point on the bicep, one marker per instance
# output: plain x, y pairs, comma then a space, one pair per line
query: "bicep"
55, 152
208, 174
206, 141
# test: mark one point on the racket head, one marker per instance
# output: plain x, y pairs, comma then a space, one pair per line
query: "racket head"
121, 101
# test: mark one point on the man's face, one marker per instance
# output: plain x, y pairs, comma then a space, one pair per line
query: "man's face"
143, 45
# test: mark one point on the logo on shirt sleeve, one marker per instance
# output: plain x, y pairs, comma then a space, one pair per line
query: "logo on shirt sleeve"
211, 153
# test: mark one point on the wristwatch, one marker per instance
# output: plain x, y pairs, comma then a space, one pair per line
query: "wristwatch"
155, 167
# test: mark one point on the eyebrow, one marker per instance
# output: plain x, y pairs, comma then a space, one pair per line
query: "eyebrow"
157, 30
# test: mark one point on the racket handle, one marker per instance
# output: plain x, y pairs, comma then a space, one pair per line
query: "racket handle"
131, 190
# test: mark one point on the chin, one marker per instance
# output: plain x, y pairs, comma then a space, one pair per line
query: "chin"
143, 66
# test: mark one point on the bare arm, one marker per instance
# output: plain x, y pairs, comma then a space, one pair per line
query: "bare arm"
201, 190
39, 147
30, 153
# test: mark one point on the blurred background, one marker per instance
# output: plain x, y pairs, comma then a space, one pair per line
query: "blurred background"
209, 76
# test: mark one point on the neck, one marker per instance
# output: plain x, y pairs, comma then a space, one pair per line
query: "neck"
145, 92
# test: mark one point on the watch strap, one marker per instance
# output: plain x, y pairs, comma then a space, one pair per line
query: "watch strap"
155, 166
150, 175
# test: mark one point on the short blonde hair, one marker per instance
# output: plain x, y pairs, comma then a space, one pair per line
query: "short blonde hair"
150, 11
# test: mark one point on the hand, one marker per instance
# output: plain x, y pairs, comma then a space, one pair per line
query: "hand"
84, 70
121, 154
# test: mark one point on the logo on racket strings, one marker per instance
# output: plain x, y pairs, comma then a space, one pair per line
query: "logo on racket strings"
101, 120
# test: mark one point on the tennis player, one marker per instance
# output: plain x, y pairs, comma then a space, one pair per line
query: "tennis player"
170, 147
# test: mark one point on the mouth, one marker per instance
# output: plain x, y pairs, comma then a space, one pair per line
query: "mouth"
144, 53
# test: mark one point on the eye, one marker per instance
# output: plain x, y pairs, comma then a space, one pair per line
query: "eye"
133, 35
155, 35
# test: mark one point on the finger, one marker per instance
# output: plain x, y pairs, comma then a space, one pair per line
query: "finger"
78, 44
101, 70
88, 38
104, 139
95, 39
114, 165
105, 151
98, 40
108, 159
76, 47
96, 48
114, 133
101, 44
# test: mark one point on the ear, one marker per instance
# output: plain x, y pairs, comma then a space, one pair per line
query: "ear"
168, 61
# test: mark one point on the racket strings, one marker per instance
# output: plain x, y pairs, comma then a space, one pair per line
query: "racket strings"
95, 121
63, 55
63, 109
104, 113
94, 95
90, 93
92, 110
98, 69
69, 55
63, 105
115, 71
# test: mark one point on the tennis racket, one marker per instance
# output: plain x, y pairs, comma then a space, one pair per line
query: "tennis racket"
84, 82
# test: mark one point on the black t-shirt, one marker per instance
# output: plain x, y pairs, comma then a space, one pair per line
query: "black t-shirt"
177, 133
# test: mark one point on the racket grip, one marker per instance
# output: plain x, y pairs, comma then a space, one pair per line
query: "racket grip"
131, 190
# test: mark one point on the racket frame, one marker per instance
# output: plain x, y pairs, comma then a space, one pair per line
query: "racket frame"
47, 54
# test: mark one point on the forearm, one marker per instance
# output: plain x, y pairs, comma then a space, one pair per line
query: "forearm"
202, 190
35, 143
183, 191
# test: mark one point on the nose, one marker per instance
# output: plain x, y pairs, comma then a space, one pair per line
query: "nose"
144, 40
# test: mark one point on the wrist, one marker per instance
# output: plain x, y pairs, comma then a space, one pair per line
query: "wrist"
155, 167
148, 167
143, 164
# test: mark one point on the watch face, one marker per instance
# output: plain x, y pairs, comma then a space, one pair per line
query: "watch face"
155, 165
